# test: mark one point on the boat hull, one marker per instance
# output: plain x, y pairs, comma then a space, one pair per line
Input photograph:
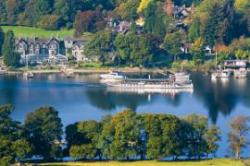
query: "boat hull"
153, 86
148, 90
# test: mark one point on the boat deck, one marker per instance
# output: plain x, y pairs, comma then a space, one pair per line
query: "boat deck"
146, 80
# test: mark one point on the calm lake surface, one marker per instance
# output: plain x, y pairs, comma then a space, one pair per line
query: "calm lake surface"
84, 98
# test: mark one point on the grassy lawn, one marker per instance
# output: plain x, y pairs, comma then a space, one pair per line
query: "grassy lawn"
216, 162
21, 31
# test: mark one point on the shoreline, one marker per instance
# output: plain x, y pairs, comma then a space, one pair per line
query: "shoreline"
88, 71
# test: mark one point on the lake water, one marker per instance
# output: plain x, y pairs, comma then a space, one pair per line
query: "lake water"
84, 98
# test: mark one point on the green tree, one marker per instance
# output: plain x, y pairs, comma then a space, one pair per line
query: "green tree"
64, 11
87, 134
21, 147
1, 40
164, 138
85, 151
44, 132
127, 9
173, 43
135, 50
194, 30
11, 58
101, 46
219, 27
199, 126
172, 140
212, 27
212, 136
126, 137
156, 21
13, 8
106, 137
13, 146
197, 50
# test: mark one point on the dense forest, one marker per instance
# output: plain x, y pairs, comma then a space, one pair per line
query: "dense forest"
124, 136
143, 32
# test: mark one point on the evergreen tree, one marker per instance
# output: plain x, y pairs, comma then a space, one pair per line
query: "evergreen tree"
212, 27
219, 27
194, 30
156, 21
11, 58
1, 40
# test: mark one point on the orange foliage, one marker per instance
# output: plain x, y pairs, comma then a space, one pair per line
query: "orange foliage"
169, 7
221, 48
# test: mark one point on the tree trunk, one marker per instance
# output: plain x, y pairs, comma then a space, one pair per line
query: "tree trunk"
237, 154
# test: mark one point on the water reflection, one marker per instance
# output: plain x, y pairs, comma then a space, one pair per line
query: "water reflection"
218, 97
106, 100
7, 93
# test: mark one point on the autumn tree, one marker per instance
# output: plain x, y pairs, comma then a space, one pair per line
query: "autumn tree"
143, 5
85, 22
238, 136
169, 7
50, 22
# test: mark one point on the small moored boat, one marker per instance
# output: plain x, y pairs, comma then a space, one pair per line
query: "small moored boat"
113, 76
221, 74
241, 73
28, 75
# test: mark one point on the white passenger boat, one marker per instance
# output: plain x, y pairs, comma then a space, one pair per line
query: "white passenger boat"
180, 81
113, 76
148, 90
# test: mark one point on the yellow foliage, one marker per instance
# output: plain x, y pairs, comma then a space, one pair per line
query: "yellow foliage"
140, 21
198, 43
241, 4
143, 5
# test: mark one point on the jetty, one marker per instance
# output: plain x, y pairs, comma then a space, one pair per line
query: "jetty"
236, 68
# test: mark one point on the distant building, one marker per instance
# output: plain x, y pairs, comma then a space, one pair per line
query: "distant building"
181, 12
123, 27
36, 50
235, 63
75, 47
78, 51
